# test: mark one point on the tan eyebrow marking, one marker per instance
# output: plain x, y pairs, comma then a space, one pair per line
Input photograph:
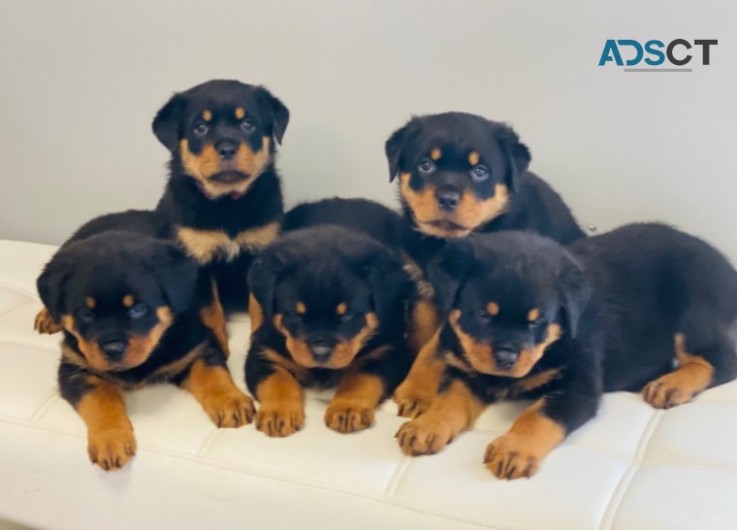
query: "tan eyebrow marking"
436, 153
206, 115
301, 308
473, 158
492, 308
240, 113
533, 315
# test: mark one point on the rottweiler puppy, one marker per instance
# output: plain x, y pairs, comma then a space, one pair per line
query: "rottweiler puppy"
331, 305
135, 310
643, 308
223, 196
458, 174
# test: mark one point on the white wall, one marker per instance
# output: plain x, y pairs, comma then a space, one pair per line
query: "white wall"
81, 81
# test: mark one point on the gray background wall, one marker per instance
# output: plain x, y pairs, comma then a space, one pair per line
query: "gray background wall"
80, 82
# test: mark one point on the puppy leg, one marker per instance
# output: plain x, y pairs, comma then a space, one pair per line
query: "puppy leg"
44, 324
209, 381
518, 453
705, 357
417, 392
360, 391
357, 395
541, 427
280, 396
110, 440
454, 410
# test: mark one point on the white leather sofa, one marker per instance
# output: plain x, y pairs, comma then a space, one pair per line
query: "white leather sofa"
631, 468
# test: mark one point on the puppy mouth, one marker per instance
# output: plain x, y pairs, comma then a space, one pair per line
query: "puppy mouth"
446, 227
447, 224
229, 175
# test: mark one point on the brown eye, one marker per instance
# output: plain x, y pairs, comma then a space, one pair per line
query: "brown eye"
200, 128
426, 166
247, 126
483, 315
537, 323
480, 173
138, 311
347, 316
85, 315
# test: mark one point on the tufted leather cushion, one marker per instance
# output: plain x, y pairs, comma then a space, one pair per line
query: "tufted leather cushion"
631, 468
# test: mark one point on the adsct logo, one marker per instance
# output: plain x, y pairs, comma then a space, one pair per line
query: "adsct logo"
657, 56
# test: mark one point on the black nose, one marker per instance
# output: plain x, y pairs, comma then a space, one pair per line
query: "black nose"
505, 359
226, 149
448, 199
114, 350
321, 351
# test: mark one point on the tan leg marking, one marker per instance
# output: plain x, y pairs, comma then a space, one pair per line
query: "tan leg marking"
110, 440
214, 389
213, 317
44, 324
452, 412
424, 324
256, 312
693, 375
518, 453
352, 408
417, 392
281, 412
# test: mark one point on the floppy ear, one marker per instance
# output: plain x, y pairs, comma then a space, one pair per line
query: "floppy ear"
393, 148
575, 292
390, 286
167, 121
279, 113
517, 153
447, 270
176, 273
262, 281
51, 285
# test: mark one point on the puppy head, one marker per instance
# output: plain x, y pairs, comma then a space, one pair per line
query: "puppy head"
222, 134
328, 290
456, 171
116, 294
507, 297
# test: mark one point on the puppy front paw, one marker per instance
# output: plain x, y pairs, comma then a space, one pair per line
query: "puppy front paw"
111, 448
346, 417
424, 436
44, 324
280, 419
230, 409
412, 400
668, 391
510, 457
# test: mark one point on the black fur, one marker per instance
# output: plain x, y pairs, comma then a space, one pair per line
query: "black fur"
376, 220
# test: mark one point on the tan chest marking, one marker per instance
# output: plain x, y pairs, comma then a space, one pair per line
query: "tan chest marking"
205, 245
